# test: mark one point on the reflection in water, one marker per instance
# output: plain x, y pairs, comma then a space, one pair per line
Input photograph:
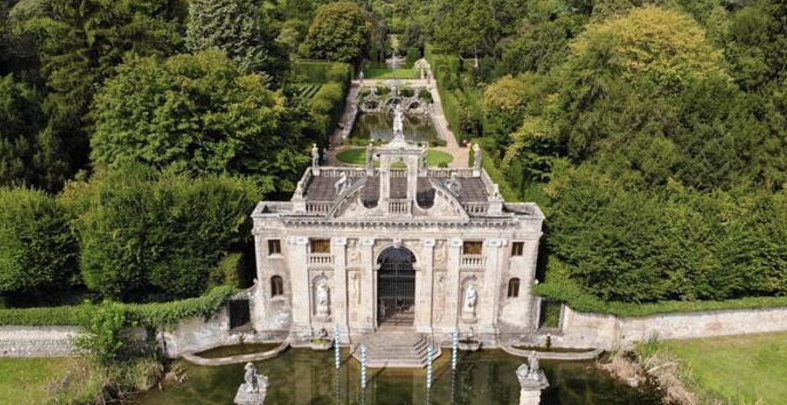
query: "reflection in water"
302, 376
379, 126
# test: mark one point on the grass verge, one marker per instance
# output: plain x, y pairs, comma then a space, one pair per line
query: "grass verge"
357, 156
744, 370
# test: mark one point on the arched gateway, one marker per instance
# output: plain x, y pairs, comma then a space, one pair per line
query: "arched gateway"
395, 287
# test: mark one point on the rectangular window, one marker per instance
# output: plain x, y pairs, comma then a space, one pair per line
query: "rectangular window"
321, 245
471, 248
517, 248
274, 247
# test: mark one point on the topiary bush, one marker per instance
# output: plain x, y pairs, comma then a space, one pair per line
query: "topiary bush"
38, 252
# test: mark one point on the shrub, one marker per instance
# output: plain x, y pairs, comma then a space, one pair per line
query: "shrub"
38, 253
230, 271
306, 71
407, 91
438, 143
413, 54
103, 337
383, 90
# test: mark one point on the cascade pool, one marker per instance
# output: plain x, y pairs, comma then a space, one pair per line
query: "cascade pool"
487, 377
377, 127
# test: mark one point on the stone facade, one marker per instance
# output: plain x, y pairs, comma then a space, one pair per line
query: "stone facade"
319, 255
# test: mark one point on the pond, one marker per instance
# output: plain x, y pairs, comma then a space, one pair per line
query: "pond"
487, 377
379, 127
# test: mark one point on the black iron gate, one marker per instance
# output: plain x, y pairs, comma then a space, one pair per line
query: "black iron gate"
396, 287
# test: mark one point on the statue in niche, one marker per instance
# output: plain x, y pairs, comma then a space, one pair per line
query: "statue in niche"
471, 298
323, 299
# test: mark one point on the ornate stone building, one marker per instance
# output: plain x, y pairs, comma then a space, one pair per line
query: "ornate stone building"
397, 247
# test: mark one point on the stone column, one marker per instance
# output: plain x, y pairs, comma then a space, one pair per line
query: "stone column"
385, 186
297, 259
340, 307
368, 282
424, 287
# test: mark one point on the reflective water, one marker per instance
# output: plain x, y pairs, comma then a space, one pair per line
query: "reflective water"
379, 126
301, 376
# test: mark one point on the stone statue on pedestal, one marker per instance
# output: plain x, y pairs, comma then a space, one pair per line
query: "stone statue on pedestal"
254, 388
315, 156
477, 155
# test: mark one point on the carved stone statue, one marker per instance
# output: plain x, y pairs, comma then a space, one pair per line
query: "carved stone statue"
369, 156
299, 190
315, 155
252, 378
360, 76
398, 123
532, 361
477, 155
323, 299
471, 298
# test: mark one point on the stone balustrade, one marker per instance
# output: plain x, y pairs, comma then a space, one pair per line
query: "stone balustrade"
472, 261
400, 207
475, 208
320, 259
318, 208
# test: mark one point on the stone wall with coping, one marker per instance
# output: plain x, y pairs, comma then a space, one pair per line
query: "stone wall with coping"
588, 330
37, 341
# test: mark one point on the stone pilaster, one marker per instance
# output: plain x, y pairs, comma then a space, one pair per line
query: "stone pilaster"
297, 259
260, 307
368, 306
531, 250
424, 287
340, 307
494, 249
452, 298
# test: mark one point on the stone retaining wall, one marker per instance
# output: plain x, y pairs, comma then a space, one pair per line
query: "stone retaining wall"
607, 331
37, 341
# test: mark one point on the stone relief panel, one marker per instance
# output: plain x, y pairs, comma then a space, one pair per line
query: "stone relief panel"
440, 255
353, 253
440, 279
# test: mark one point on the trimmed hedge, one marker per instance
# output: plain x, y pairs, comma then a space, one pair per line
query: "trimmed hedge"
165, 314
559, 288
309, 71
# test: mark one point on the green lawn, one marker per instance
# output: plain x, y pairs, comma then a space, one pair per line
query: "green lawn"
357, 156
25, 381
745, 370
382, 73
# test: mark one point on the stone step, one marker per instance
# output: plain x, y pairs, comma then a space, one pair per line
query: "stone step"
395, 350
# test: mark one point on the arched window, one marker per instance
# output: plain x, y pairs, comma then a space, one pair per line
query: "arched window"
277, 286
513, 288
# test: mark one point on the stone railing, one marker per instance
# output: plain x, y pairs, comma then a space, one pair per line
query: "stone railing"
399, 207
472, 261
319, 259
318, 208
330, 171
475, 208
398, 173
446, 173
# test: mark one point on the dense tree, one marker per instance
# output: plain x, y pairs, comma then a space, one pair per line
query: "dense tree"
340, 32
39, 252
238, 28
197, 114
140, 229
79, 43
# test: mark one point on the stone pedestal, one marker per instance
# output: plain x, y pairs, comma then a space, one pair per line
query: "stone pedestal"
532, 382
249, 398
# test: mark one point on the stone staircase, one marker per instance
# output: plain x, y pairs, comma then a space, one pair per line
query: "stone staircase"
395, 350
